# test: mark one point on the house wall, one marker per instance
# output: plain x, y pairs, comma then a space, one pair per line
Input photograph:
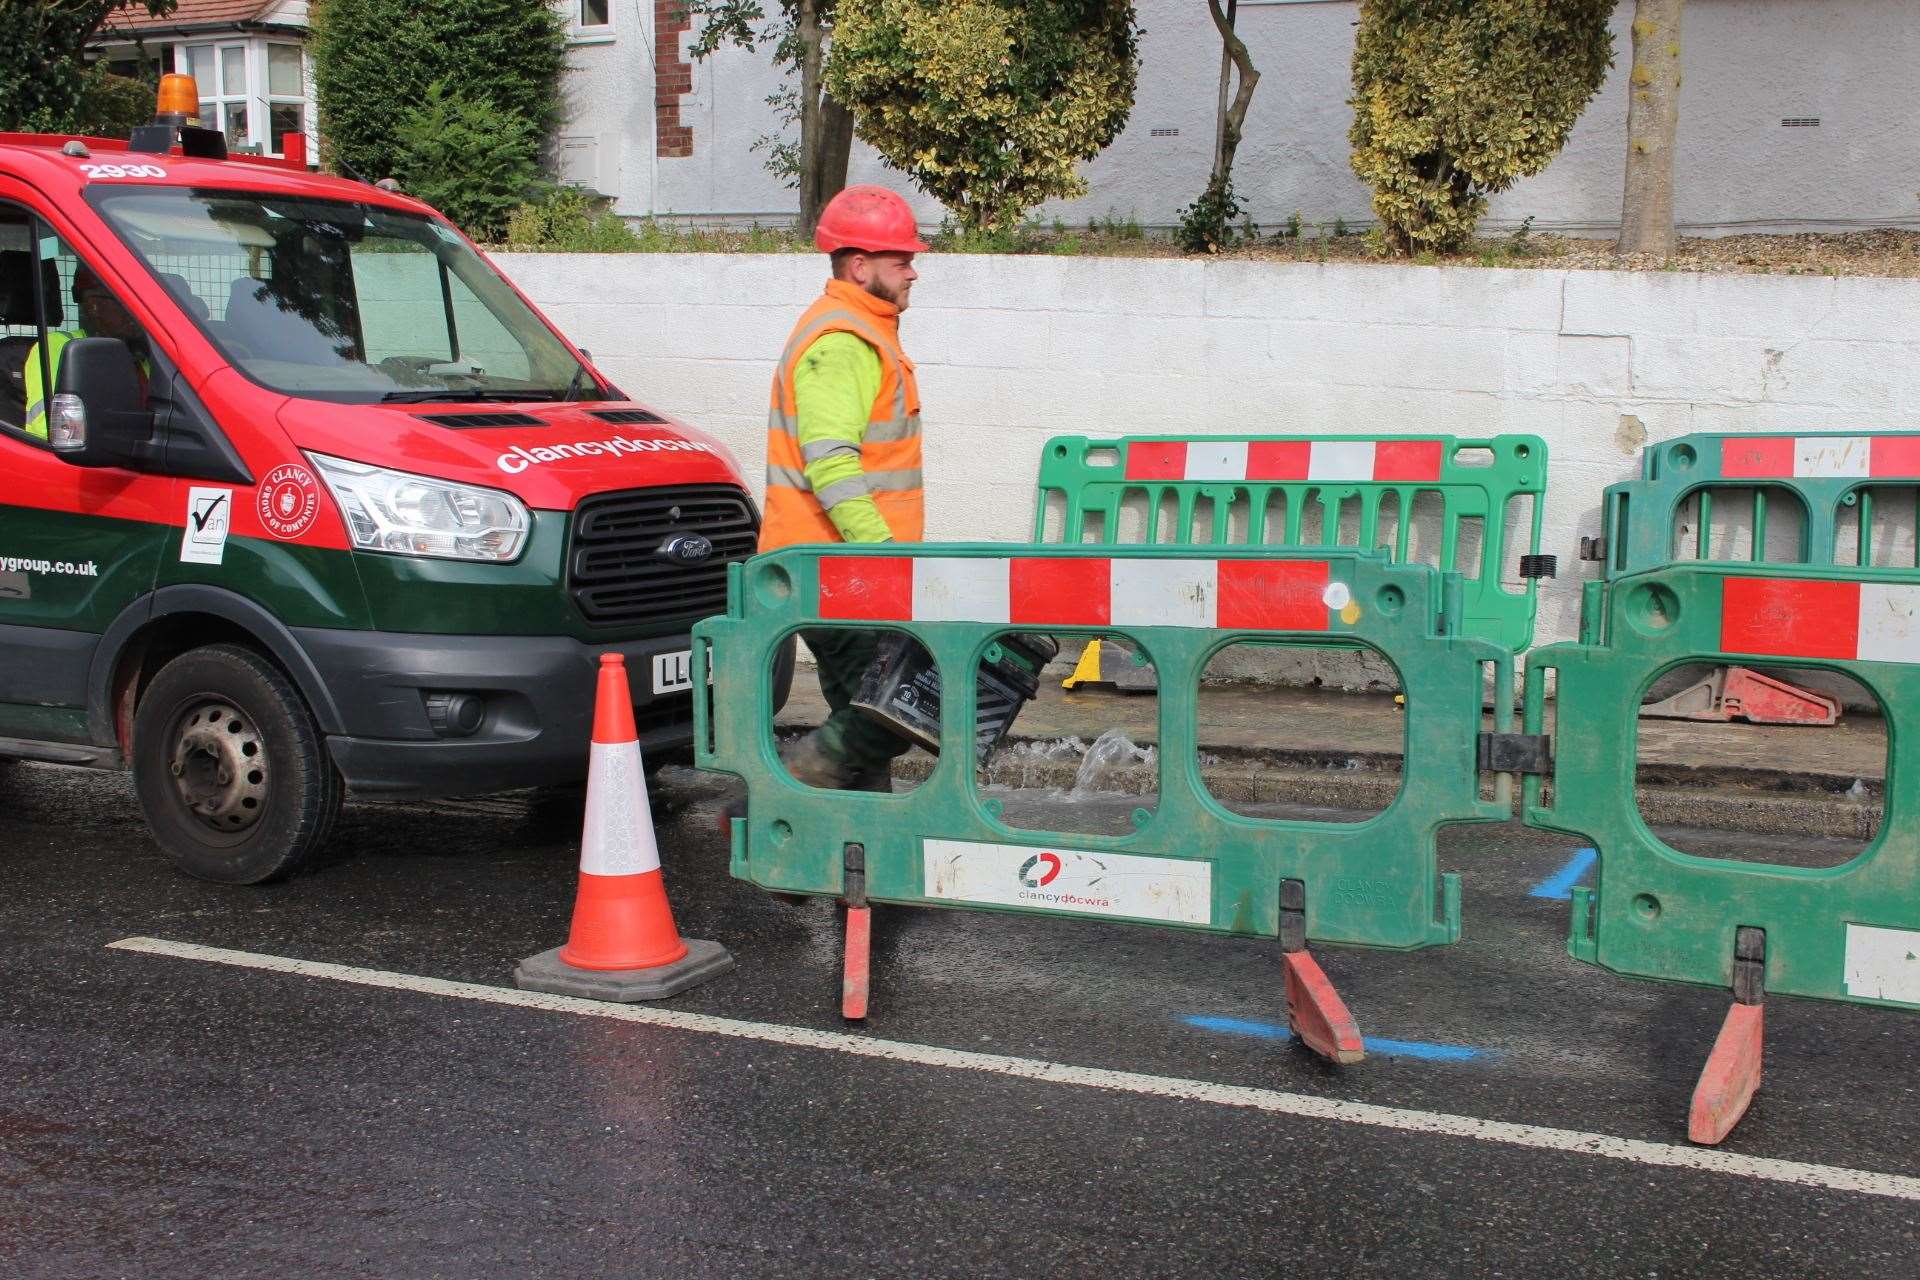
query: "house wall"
607, 139
1013, 350
1749, 64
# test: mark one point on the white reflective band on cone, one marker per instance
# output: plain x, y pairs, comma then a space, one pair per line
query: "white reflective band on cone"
619, 838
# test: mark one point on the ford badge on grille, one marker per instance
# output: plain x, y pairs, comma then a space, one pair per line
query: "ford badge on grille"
686, 548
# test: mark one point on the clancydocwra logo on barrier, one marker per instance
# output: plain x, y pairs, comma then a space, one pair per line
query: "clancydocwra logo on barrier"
1082, 887
1040, 870
1068, 879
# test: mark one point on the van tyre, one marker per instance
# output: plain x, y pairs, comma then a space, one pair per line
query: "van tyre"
232, 774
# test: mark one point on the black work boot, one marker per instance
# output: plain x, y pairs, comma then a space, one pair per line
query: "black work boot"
809, 761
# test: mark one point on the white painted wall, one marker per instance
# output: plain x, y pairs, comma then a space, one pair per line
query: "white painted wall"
605, 142
1748, 65
1014, 350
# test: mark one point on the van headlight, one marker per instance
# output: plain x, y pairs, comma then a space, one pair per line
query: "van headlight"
411, 515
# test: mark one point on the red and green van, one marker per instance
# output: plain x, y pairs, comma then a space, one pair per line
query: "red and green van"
316, 500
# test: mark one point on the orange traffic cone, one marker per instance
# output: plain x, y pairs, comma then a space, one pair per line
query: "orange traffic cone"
623, 944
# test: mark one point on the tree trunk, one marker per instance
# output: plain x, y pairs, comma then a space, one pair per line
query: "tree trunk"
812, 116
836, 147
1233, 54
1653, 116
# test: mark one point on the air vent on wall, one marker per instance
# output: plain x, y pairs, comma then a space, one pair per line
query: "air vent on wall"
1165, 133
460, 421
627, 415
1800, 122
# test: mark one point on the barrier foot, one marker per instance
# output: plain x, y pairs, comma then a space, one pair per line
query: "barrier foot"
854, 984
1732, 1074
1731, 1077
1316, 1013
853, 977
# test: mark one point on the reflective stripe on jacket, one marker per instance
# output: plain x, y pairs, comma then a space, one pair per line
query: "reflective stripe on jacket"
37, 394
889, 448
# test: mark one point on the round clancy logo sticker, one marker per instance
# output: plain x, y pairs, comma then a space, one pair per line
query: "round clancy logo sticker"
1040, 870
289, 500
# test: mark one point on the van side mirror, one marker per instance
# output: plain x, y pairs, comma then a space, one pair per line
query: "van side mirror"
98, 416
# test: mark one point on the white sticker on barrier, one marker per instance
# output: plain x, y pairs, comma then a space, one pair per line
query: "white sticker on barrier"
1069, 880
953, 589
1889, 622
1832, 457
1338, 460
1164, 593
1217, 460
1883, 964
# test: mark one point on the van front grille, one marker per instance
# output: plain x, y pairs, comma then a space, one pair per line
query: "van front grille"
616, 573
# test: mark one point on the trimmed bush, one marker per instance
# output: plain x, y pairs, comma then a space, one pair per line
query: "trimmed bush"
463, 157
570, 220
1457, 99
988, 105
375, 60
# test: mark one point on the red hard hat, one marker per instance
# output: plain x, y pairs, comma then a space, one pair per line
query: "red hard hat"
870, 218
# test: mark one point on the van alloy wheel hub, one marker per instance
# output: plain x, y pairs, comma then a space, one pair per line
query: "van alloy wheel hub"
219, 768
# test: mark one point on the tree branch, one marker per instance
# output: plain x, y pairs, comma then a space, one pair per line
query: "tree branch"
1236, 115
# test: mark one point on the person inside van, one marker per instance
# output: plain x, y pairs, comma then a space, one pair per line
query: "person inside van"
101, 316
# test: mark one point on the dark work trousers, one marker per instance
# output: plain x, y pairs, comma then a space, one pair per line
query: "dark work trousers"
850, 738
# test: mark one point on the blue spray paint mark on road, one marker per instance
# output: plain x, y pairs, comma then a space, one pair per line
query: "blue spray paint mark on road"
1560, 884
1393, 1048
1421, 1049
1241, 1027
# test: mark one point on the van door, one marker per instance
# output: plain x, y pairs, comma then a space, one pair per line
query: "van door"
77, 544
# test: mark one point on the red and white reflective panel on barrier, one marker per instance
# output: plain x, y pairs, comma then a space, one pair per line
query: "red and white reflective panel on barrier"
1820, 458
1818, 618
1348, 461
1058, 591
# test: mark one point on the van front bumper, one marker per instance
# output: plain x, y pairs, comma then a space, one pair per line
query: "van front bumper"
537, 694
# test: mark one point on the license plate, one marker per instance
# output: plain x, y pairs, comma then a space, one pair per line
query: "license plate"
673, 672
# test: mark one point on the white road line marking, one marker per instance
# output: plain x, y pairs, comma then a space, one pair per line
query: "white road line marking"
1272, 1101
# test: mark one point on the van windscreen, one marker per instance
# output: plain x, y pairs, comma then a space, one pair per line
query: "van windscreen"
346, 302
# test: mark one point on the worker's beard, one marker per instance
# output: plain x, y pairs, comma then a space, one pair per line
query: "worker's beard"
897, 294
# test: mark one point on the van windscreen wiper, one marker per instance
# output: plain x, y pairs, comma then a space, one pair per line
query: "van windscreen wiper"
445, 396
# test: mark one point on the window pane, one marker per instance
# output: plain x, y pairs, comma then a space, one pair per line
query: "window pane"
209, 113
283, 71
233, 70
93, 312
18, 333
403, 319
339, 300
201, 67
288, 117
235, 125
593, 13
484, 340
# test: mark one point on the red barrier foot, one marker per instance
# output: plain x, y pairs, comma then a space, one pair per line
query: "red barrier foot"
1731, 1077
853, 979
1316, 1013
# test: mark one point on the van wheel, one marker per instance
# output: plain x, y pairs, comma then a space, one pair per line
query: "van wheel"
231, 771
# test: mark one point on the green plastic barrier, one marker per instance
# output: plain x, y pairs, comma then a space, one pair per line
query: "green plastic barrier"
1191, 863
1826, 475
1847, 933
1230, 490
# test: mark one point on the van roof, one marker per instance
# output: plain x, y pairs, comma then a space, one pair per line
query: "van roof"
38, 159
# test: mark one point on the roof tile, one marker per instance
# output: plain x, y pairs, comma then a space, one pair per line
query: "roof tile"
189, 13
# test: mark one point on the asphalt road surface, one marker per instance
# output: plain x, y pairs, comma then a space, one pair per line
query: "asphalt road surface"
1028, 1097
